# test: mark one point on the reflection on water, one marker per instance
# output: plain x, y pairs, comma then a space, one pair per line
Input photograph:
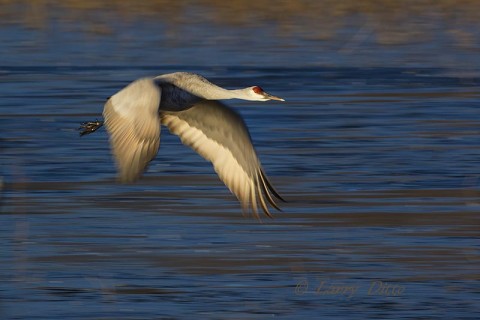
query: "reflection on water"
208, 32
379, 166
395, 22
383, 191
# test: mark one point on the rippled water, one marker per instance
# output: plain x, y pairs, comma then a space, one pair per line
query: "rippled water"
379, 166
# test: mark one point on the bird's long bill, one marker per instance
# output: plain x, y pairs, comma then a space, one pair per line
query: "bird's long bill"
269, 96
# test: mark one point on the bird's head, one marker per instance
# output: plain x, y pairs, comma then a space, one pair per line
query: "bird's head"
257, 94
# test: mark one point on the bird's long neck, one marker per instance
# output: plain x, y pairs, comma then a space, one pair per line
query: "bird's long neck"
218, 93
201, 87
208, 90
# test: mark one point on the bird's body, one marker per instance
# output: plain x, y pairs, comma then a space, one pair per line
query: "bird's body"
186, 104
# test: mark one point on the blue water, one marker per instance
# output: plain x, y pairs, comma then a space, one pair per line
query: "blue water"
378, 163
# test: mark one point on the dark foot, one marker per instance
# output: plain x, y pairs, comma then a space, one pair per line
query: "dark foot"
89, 127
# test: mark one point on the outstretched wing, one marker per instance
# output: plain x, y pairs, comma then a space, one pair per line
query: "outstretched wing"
220, 135
132, 120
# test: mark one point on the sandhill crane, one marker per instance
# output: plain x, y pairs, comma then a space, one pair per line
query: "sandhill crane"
187, 104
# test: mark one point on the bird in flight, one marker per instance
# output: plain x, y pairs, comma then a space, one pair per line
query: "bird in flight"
187, 104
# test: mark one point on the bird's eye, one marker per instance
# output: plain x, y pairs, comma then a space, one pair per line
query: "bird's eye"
257, 89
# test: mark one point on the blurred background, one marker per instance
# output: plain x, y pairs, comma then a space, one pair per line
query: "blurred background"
287, 33
376, 150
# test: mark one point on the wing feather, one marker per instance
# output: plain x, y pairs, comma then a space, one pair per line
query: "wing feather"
220, 136
132, 120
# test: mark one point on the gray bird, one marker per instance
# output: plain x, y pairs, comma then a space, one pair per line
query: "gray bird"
186, 104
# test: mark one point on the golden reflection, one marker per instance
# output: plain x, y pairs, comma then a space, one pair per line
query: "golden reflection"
391, 22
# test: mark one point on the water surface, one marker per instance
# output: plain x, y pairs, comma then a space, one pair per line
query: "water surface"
379, 165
